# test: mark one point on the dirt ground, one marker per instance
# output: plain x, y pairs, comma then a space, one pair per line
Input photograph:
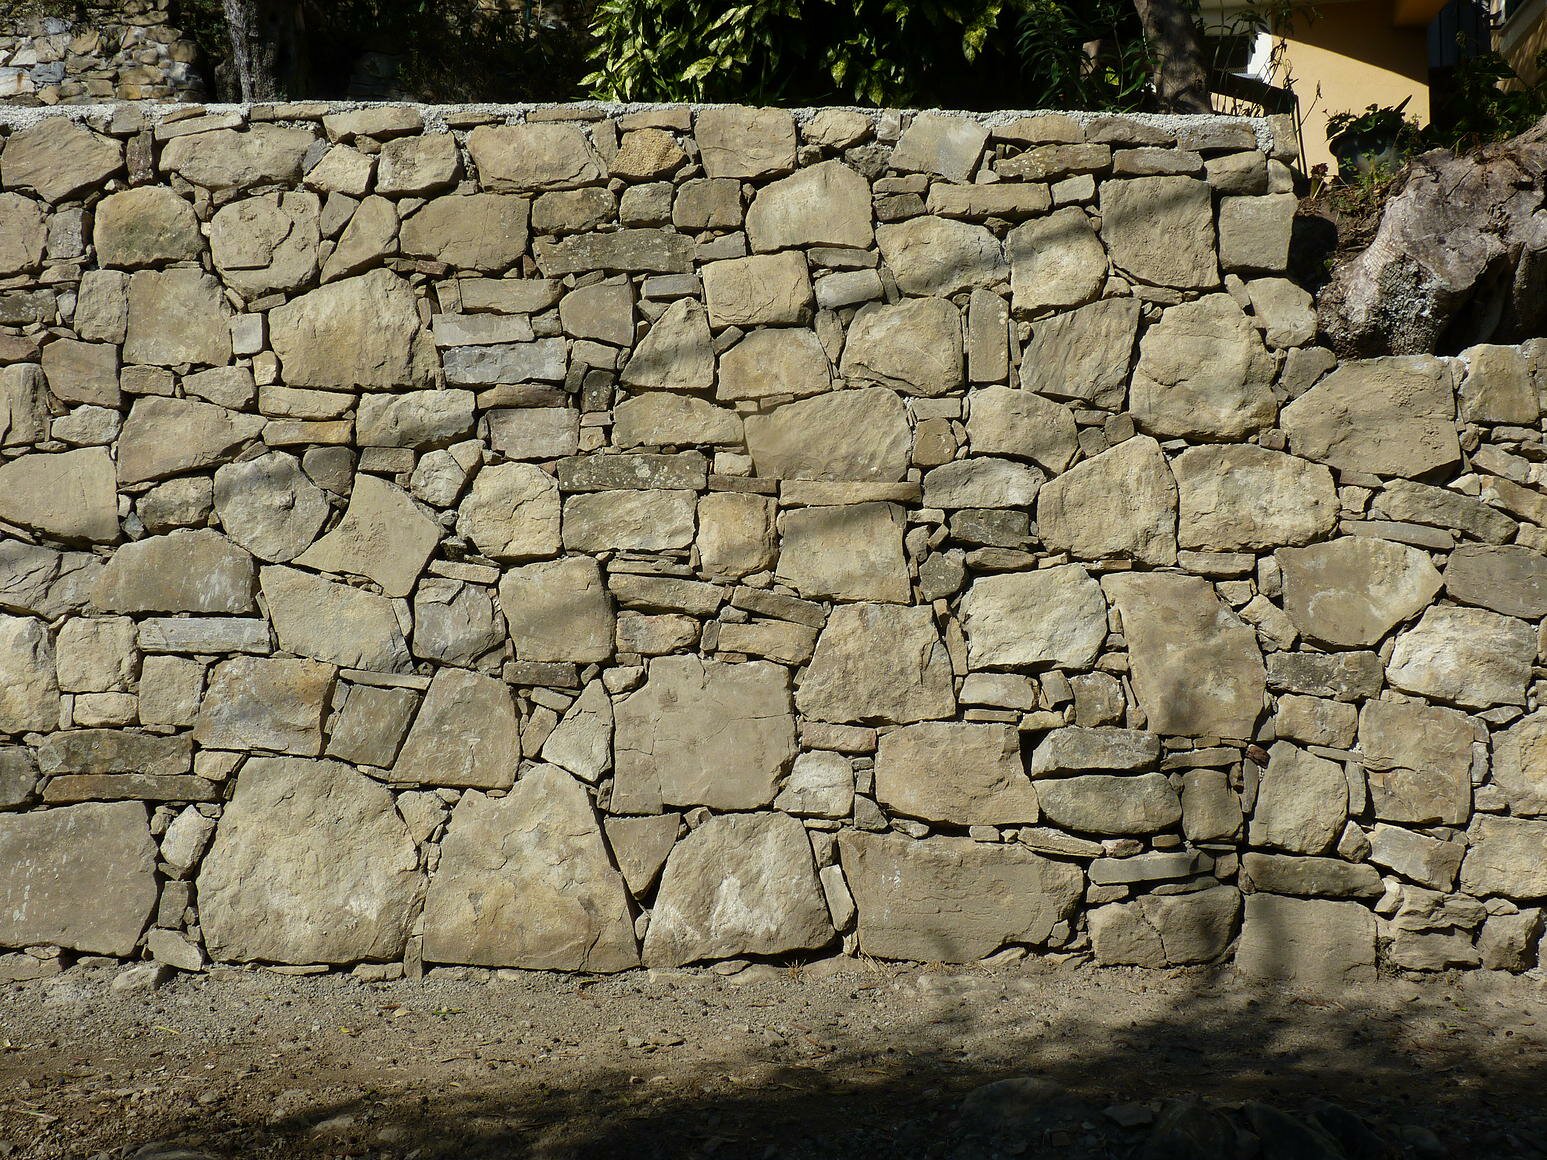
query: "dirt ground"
846, 1058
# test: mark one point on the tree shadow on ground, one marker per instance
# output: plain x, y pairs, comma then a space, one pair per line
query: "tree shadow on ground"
1436, 1072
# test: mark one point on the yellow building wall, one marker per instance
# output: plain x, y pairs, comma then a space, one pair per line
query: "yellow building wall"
1350, 56
1523, 39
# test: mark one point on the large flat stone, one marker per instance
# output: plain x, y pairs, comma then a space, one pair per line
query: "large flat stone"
333, 622
465, 736
1161, 230
384, 536
70, 496
1302, 803
272, 703
1387, 416
1465, 656
184, 571
937, 255
827, 204
1120, 503
1051, 617
1232, 498
558, 610
1103, 803
956, 773
853, 552
1310, 944
227, 159
165, 437
512, 512
914, 346
177, 315
1508, 857
1351, 591
880, 663
1509, 578
1203, 373
1084, 354
361, 333
269, 506
486, 232
1418, 760
538, 155
1055, 262
845, 435
146, 226
1166, 930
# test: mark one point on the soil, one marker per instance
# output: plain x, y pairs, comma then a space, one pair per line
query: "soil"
844, 1058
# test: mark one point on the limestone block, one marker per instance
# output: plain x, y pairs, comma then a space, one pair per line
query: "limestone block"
914, 346
647, 153
271, 703
525, 881
1426, 861
1203, 373
1084, 354
627, 250
844, 435
82, 372
1100, 803
1231, 499
1166, 930
1497, 387
466, 734
96, 655
370, 237
1508, 579
1177, 627
267, 244
184, 571
23, 405
384, 536
360, 333
310, 864
1520, 764
852, 552
735, 534
952, 899
558, 610
734, 141
582, 741
102, 306
512, 512
1508, 942
371, 727
1211, 810
1418, 760
82, 877
342, 169
177, 315
1161, 230
827, 204
454, 623
936, 143
1310, 877
1507, 856
1386, 416
940, 256
1351, 591
268, 506
1284, 312
820, 785
1314, 945
1302, 803
775, 361
56, 157
956, 773
37, 581
1316, 721
982, 482
1055, 262
642, 520
146, 226
604, 312
1467, 656
165, 437
170, 690
1120, 503
1080, 749
334, 623
29, 691
418, 165
740, 884
763, 290
703, 732
1049, 617
707, 203
1003, 421
1254, 232
878, 663
538, 155
486, 232
70, 496
227, 159
676, 353
640, 846
660, 419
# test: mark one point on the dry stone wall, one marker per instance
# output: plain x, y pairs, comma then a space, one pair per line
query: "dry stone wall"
123, 50
577, 538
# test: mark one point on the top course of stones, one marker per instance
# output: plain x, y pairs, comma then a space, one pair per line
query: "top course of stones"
576, 537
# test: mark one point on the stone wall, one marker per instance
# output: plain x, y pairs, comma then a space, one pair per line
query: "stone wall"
569, 538
125, 50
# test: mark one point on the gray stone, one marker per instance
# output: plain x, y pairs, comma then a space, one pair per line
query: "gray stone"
418, 165
184, 571
1003, 421
454, 623
1507, 856
582, 741
80, 372
537, 155
70, 496
1316, 945
1254, 232
166, 437
640, 846
486, 232
267, 244
56, 157
1102, 803
740, 884
358, 334
854, 552
982, 482
1418, 760
1426, 861
511, 362
177, 315
1166, 930
333, 622
937, 143
1302, 802
268, 703
1177, 627
558, 610
1120, 503
1078, 749
1049, 617
1507, 579
82, 877
268, 506
370, 728
525, 881
878, 662
844, 435
19, 777
634, 520
660, 419
1310, 877
1055, 262
512, 512
311, 864
1248, 497
941, 256
1203, 373
774, 361
225, 159
1351, 591
959, 774
953, 899
676, 353
1161, 230
763, 290
95, 655
628, 251
466, 734
100, 752
827, 204
146, 226
703, 733
1467, 656
1211, 810
1084, 354
1386, 416
417, 419
734, 141
384, 536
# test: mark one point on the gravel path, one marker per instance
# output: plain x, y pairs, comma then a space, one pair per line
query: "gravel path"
845, 1058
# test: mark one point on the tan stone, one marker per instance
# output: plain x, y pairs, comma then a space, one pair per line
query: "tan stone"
57, 157
1351, 591
878, 662
543, 155
937, 143
941, 256
486, 232
1084, 354
177, 316
644, 520
368, 239
735, 534
1508, 857
69, 496
558, 610
827, 204
164, 437
660, 419
1386, 416
384, 536
189, 570
226, 159
775, 361
272, 703
268, 506
1161, 230
512, 512
334, 623
762, 290
1166, 930
734, 141
582, 742
361, 333
1247, 497
466, 734
1520, 764
1302, 803
843, 435
29, 692
1203, 373
914, 345
1049, 617
146, 226
959, 774
1509, 579
676, 353
845, 553
418, 165
1319, 946
1055, 261
1465, 656
1004, 421
96, 655
1120, 503
1418, 760
267, 244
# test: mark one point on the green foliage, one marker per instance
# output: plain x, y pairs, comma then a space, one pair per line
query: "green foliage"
1485, 101
1058, 71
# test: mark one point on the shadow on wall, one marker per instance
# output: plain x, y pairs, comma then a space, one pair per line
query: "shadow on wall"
987, 1064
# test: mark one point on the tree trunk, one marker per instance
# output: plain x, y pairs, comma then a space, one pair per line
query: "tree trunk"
1181, 80
266, 48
